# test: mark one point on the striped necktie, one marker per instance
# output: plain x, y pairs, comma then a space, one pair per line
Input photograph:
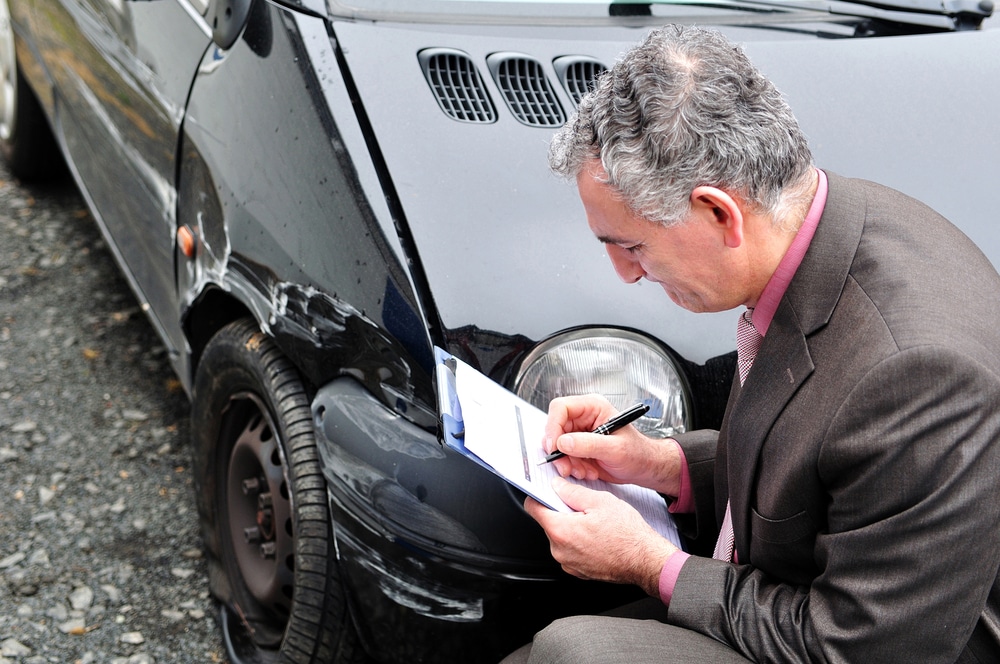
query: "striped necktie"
747, 343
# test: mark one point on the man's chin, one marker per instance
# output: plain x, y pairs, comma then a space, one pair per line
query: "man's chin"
692, 303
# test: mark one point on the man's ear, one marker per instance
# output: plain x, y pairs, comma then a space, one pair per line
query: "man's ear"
720, 207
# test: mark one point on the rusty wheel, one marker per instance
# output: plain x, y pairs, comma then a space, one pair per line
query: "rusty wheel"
263, 506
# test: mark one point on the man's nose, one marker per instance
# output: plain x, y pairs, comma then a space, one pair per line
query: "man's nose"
629, 270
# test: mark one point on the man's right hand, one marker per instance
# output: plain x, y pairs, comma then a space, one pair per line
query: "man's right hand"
624, 457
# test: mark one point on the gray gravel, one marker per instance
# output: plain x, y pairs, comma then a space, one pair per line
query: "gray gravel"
100, 555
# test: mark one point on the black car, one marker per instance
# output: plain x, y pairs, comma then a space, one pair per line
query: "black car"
308, 195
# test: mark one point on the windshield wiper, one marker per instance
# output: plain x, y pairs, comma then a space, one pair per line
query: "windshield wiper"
932, 14
877, 16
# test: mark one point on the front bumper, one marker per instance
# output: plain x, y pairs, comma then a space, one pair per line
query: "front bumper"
438, 558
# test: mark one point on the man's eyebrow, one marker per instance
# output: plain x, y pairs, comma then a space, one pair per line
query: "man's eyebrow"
607, 239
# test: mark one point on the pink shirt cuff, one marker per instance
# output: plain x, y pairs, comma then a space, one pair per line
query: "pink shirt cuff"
668, 575
685, 498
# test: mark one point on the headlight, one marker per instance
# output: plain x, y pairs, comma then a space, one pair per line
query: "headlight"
624, 367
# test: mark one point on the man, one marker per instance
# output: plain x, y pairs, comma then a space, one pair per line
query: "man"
854, 478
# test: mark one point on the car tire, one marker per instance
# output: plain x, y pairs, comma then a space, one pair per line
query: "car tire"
263, 506
26, 141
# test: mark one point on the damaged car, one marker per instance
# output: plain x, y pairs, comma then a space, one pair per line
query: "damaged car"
308, 196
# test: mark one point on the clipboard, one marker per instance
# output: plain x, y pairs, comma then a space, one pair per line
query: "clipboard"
496, 429
529, 477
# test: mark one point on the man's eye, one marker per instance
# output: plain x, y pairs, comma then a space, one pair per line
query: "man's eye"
634, 249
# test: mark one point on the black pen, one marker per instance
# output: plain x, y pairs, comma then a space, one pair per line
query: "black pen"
614, 424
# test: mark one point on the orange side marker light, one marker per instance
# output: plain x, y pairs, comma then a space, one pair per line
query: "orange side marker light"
187, 241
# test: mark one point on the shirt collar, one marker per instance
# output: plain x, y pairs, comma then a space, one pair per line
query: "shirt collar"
767, 305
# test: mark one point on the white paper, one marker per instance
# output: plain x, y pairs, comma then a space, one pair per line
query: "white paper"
506, 433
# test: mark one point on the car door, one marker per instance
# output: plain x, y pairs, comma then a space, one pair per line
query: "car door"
122, 70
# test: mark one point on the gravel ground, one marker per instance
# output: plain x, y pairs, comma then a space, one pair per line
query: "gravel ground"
100, 556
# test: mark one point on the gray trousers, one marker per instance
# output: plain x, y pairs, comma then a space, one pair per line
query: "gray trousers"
634, 634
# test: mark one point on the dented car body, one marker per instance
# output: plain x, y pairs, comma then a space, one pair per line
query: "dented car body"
360, 181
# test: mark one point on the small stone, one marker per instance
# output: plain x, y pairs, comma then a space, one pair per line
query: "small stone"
81, 598
7, 454
27, 426
114, 595
132, 638
26, 589
45, 495
73, 626
134, 415
39, 557
59, 613
182, 573
140, 658
172, 615
14, 648
43, 516
12, 560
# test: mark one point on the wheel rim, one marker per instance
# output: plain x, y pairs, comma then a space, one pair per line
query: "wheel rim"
259, 510
8, 74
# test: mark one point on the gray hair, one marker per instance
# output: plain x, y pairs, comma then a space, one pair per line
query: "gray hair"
682, 109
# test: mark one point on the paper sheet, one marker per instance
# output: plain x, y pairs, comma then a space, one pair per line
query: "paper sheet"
506, 433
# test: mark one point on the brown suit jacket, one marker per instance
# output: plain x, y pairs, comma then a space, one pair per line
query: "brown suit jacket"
862, 456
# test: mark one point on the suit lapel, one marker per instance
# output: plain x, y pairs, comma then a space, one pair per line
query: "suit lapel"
784, 362
781, 366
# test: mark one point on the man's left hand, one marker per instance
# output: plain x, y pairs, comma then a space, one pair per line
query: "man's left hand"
606, 539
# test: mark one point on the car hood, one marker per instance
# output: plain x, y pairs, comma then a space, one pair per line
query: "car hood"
504, 243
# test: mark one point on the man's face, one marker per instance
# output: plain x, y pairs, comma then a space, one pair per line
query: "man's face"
690, 261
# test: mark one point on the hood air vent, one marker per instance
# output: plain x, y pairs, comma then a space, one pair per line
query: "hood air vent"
578, 74
526, 90
457, 85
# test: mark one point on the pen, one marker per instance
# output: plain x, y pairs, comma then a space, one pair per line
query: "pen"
614, 424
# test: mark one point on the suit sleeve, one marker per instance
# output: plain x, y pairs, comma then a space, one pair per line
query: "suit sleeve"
908, 554
700, 529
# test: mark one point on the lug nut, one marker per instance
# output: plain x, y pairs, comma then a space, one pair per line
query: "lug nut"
251, 485
251, 535
267, 550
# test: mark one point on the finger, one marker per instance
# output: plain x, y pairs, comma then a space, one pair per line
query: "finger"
581, 469
535, 509
578, 413
584, 445
575, 445
577, 497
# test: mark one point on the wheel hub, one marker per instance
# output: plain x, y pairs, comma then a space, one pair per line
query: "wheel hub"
260, 515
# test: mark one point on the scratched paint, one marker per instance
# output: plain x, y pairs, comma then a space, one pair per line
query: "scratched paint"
420, 595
